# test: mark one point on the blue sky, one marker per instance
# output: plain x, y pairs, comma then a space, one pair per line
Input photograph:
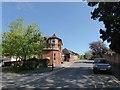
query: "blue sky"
70, 21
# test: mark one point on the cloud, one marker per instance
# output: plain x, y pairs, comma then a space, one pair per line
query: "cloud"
19, 8
24, 6
30, 7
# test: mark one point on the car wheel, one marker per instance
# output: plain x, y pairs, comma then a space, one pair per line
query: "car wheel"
94, 71
110, 72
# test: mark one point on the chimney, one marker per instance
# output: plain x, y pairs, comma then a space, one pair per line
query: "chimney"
54, 35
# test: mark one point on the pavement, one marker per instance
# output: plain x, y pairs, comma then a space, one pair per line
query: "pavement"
63, 66
67, 64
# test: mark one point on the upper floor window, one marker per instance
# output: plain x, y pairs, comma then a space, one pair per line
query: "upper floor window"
54, 41
49, 41
44, 41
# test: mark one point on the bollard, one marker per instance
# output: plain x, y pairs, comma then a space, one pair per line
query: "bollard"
52, 67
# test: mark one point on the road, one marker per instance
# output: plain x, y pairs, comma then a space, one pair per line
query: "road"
78, 75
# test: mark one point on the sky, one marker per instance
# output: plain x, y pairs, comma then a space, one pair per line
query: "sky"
70, 21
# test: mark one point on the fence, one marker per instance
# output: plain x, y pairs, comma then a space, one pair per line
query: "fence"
114, 60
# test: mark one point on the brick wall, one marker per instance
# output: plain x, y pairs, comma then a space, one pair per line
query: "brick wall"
50, 54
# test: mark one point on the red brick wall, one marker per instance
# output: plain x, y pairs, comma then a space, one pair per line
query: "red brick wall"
51, 54
47, 54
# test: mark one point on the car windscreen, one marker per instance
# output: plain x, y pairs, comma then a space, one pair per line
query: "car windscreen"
100, 61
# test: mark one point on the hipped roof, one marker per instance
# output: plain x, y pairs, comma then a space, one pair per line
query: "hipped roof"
66, 51
52, 37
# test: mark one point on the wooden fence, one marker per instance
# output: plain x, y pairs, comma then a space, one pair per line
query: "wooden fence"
114, 60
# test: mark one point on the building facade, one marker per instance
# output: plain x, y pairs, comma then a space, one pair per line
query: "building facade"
53, 50
69, 55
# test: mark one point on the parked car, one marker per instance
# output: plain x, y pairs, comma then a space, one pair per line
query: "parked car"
5, 63
100, 64
0, 63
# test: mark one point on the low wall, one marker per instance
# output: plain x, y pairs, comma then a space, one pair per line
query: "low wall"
114, 60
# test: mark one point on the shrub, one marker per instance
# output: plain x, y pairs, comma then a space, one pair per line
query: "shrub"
29, 64
44, 62
16, 67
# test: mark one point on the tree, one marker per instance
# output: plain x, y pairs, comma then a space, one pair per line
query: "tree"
22, 41
81, 56
88, 55
0, 49
109, 14
98, 48
109, 51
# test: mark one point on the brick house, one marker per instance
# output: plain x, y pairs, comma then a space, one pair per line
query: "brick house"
69, 55
53, 50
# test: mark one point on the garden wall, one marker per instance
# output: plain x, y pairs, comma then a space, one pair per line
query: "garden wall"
114, 60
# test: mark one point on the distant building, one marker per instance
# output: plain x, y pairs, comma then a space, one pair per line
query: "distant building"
8, 58
53, 50
69, 55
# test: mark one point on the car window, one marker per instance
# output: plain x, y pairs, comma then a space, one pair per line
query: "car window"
100, 61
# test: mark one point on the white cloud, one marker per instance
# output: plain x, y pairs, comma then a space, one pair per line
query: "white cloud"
19, 8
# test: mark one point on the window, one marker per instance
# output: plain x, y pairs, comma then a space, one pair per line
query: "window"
53, 41
99, 60
56, 41
49, 41
44, 41
54, 56
53, 46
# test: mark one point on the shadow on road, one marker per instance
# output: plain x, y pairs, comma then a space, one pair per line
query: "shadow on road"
74, 77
